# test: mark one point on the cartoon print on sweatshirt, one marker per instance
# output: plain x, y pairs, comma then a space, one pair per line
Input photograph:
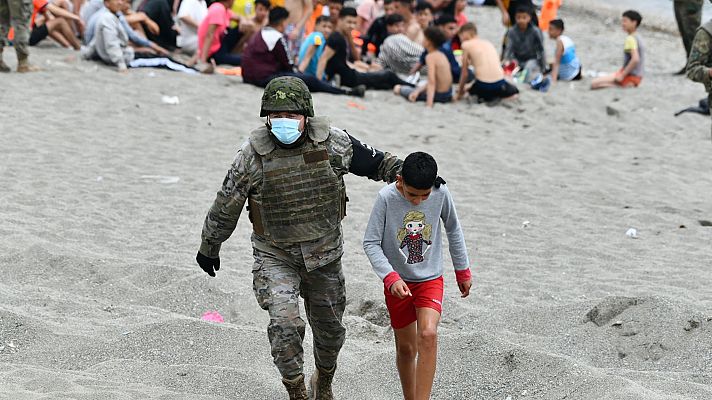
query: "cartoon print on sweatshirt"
414, 235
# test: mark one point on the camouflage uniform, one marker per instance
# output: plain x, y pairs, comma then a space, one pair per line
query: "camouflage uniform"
296, 200
688, 14
16, 13
700, 60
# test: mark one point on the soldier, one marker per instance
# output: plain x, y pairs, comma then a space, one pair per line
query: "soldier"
16, 13
700, 60
290, 172
688, 14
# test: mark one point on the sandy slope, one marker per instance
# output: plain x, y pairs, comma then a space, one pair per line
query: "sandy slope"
100, 297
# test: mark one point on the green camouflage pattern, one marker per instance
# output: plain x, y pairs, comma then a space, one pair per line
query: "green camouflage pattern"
287, 93
16, 13
700, 60
301, 195
279, 279
688, 14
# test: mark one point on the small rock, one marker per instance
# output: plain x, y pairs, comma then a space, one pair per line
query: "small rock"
683, 227
525, 224
11, 345
182, 374
632, 233
692, 324
704, 222
612, 112
617, 323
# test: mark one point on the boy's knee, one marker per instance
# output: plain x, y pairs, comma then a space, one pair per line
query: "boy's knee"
406, 350
428, 338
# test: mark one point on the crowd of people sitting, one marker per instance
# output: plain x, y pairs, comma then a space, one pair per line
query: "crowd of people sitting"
419, 49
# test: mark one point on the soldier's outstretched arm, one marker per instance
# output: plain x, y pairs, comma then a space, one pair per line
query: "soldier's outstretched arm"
699, 54
225, 211
373, 164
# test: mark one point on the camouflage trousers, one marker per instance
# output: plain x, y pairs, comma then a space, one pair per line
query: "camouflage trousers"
688, 14
16, 13
279, 278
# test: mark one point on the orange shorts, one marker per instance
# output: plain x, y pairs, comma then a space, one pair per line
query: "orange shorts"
424, 294
630, 81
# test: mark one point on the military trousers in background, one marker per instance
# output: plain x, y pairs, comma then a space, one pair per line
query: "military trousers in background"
279, 278
688, 14
16, 13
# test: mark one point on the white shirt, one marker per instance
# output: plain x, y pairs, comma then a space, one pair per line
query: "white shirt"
197, 10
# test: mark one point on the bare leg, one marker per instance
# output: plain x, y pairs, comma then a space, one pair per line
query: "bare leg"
55, 32
604, 82
406, 350
427, 351
64, 29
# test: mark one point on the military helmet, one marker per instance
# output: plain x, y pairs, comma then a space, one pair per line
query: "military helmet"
287, 93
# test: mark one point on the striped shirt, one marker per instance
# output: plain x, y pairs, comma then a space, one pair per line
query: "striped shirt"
399, 54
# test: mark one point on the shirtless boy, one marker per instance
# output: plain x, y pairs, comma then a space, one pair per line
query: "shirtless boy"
489, 83
439, 86
412, 28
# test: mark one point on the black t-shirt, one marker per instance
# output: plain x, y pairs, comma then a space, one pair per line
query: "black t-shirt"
337, 64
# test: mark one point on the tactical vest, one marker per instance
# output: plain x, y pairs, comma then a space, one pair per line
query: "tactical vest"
301, 198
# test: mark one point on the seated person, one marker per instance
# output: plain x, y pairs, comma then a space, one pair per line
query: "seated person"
129, 21
160, 12
262, 8
335, 7
313, 46
398, 53
525, 45
51, 20
460, 16
412, 29
489, 83
265, 58
368, 11
566, 65
110, 42
190, 15
216, 41
509, 9
424, 14
448, 26
633, 57
439, 86
338, 55
378, 31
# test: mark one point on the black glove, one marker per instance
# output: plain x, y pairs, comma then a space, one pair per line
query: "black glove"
208, 263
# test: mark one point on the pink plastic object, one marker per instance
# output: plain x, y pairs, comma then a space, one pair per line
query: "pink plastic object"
213, 316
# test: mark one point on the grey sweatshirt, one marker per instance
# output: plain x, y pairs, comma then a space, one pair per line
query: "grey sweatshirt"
525, 46
407, 239
110, 42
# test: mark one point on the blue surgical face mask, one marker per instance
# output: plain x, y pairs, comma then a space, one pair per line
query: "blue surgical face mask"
286, 130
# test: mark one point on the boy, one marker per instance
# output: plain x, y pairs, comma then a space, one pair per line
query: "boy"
190, 15
525, 45
338, 57
439, 86
490, 84
633, 60
566, 65
215, 40
404, 245
424, 14
313, 46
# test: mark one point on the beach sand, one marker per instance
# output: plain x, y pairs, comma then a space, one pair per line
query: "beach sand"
104, 191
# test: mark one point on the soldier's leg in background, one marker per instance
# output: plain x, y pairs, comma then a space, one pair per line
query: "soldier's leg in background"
324, 292
20, 12
276, 286
688, 14
4, 29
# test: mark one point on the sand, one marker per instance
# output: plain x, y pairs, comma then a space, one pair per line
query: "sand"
104, 190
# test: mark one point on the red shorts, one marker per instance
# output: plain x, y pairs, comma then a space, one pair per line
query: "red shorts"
630, 81
425, 294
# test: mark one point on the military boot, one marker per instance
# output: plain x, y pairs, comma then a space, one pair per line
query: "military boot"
320, 384
3, 66
23, 65
296, 388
